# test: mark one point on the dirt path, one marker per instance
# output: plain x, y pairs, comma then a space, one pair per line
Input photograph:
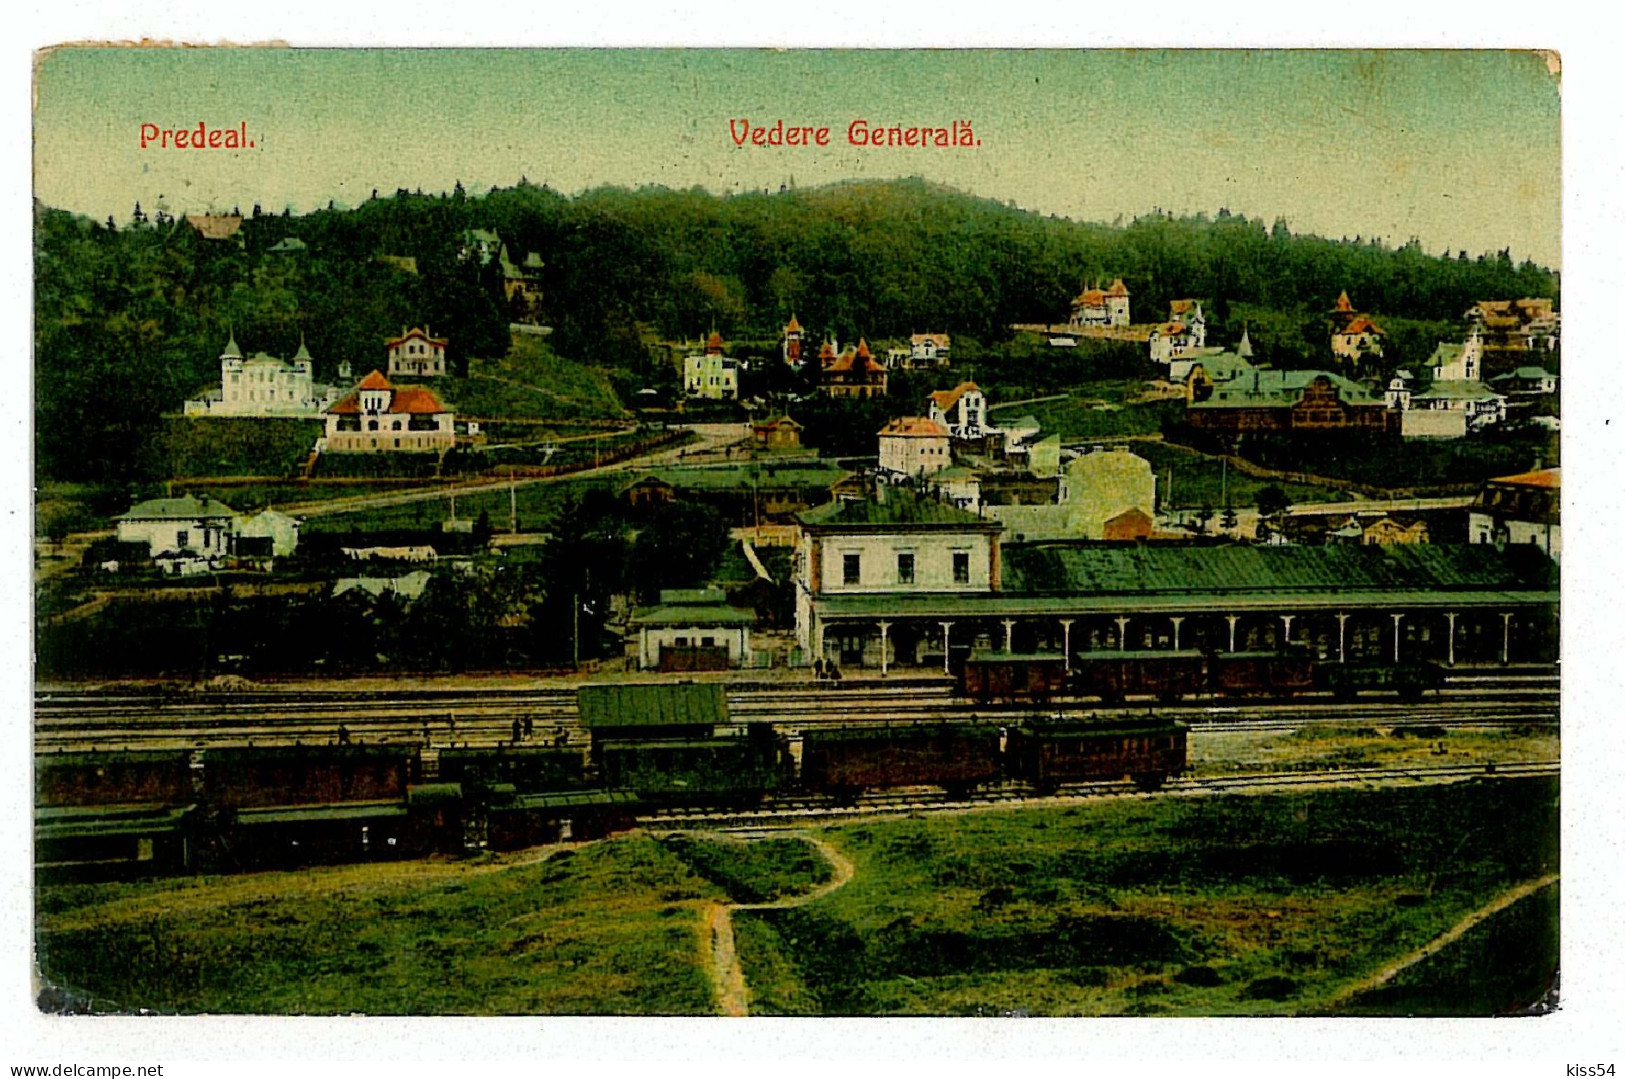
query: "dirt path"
1448, 937
727, 976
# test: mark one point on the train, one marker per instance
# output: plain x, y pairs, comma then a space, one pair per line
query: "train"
112, 814
1169, 676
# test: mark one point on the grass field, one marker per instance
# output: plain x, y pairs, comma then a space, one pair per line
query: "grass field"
1230, 905
1221, 752
220, 446
609, 929
1200, 480
530, 382
1080, 415
538, 506
758, 872
1211, 906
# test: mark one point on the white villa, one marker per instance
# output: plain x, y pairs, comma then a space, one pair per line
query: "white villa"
914, 446
262, 385
711, 375
416, 354
962, 410
194, 535
928, 350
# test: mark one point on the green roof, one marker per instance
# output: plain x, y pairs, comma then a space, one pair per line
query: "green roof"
575, 800
900, 507
983, 655
1262, 387
429, 794
1457, 390
745, 476
100, 821
692, 595
321, 814
1237, 569
653, 704
1532, 373
185, 508
693, 614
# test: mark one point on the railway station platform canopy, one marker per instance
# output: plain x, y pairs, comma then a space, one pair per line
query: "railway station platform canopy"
1449, 602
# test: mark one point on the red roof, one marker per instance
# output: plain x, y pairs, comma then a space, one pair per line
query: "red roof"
1118, 288
826, 351
407, 335
1363, 325
848, 361
713, 344
419, 400
375, 381
1092, 298
863, 349
1343, 303
947, 399
792, 326
1545, 477
914, 427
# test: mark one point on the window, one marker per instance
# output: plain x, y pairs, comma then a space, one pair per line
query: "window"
961, 567
708, 642
851, 568
181, 537
905, 567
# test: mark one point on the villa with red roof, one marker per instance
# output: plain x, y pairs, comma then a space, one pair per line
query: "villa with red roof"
416, 354
1354, 335
914, 446
854, 373
1101, 306
380, 417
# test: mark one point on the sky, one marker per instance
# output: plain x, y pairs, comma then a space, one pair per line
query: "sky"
1459, 149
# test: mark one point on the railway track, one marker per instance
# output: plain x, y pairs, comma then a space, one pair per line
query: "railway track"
791, 814
481, 718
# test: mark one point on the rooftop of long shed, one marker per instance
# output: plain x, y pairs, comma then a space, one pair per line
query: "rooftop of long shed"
643, 704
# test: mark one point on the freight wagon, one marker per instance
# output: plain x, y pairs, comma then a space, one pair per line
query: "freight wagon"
845, 761
1047, 753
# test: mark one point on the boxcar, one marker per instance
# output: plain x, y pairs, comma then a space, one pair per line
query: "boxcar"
528, 768
728, 769
845, 761
1047, 753
1252, 674
125, 777
1010, 676
1113, 675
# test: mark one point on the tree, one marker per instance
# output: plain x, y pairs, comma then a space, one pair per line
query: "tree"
1272, 502
679, 548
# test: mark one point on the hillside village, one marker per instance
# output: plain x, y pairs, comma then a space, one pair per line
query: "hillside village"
457, 472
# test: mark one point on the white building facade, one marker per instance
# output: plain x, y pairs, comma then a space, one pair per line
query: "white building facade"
914, 446
380, 417
262, 385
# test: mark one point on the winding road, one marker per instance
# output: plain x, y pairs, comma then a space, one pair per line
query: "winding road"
727, 976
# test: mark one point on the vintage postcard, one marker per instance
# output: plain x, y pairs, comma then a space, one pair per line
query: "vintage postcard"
820, 533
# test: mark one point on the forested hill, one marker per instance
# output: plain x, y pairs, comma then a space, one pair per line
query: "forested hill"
131, 315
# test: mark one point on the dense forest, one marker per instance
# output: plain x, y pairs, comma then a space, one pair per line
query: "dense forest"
131, 316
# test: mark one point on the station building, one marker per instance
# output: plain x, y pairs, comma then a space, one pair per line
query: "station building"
912, 583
